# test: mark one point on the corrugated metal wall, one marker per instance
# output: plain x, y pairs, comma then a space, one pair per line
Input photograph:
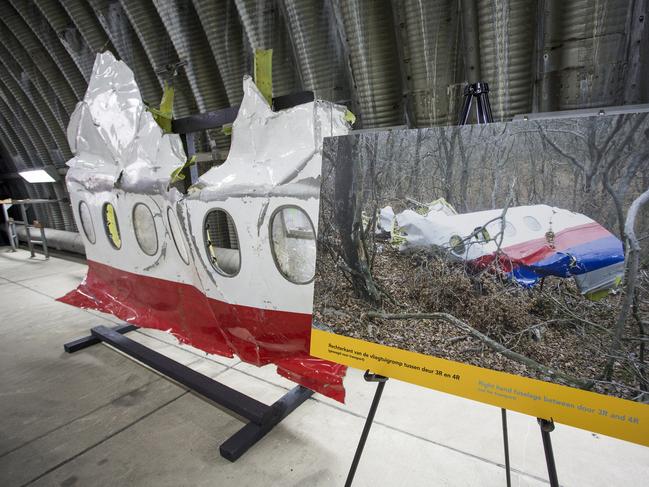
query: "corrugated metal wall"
394, 62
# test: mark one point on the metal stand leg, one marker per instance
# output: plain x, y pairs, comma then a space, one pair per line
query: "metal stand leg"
11, 229
23, 212
251, 433
484, 107
13, 235
466, 107
368, 423
508, 473
546, 428
43, 240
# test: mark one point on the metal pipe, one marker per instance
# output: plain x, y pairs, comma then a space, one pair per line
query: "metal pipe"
508, 473
58, 239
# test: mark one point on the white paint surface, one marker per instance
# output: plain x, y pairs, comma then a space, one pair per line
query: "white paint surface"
123, 157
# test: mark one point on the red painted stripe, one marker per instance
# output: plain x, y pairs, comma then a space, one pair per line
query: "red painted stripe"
532, 251
258, 336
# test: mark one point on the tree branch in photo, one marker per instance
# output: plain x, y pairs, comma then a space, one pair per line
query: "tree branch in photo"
633, 264
349, 224
493, 344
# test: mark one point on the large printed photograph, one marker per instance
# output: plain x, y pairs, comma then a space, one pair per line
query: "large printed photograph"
519, 247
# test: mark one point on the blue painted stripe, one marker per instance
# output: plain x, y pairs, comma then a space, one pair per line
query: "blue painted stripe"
582, 258
573, 261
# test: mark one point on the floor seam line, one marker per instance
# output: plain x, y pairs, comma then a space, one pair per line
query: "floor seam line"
33, 278
40, 437
87, 311
427, 440
103, 440
462, 452
393, 428
185, 390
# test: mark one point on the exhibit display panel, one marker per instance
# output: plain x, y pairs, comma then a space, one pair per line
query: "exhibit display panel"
487, 261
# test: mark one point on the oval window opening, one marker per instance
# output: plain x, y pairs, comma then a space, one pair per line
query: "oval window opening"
222, 242
293, 244
456, 244
532, 223
176, 235
86, 222
495, 228
144, 228
111, 225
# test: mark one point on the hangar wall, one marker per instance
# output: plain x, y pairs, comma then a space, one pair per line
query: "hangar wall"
400, 62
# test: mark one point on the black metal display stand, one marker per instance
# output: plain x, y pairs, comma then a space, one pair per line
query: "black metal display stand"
480, 93
260, 417
368, 422
547, 426
508, 471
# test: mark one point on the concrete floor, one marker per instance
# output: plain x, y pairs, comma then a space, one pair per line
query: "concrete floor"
97, 418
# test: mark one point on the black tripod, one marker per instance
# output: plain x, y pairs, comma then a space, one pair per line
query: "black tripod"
479, 91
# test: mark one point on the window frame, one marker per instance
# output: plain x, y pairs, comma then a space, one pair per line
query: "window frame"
205, 240
170, 211
155, 229
272, 246
92, 223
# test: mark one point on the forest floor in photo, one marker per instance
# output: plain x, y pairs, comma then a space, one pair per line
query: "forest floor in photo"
551, 324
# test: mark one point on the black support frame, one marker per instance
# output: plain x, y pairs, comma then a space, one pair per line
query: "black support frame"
260, 418
187, 127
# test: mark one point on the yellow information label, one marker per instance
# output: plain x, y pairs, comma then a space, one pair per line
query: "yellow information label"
263, 73
607, 415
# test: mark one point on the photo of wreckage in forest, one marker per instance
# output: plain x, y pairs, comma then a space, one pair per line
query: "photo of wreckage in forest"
521, 247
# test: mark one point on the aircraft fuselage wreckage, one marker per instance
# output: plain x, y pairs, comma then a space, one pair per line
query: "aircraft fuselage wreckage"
227, 267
